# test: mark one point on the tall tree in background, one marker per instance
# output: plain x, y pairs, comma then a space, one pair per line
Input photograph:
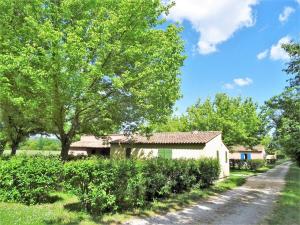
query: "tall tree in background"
283, 110
92, 66
17, 121
238, 119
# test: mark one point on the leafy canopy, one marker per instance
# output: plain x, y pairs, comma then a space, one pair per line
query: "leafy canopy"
283, 111
90, 66
238, 119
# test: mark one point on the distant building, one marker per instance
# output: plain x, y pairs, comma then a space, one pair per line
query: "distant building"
91, 145
247, 153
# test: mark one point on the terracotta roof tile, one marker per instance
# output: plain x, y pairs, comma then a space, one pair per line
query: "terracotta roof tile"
241, 148
89, 141
195, 137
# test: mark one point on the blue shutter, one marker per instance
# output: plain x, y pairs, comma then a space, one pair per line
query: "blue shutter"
249, 156
242, 156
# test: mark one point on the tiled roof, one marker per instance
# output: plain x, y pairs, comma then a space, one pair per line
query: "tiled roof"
241, 148
195, 137
89, 141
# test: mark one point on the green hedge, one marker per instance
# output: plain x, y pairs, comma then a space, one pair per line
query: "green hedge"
29, 179
105, 185
102, 185
110, 185
253, 164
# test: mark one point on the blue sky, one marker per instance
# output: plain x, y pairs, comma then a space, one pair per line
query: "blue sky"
222, 47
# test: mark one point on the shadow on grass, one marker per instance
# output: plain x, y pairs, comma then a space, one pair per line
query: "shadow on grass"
52, 199
74, 207
59, 221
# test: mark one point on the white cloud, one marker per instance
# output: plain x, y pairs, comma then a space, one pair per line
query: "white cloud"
287, 11
228, 86
263, 54
277, 52
298, 1
215, 21
240, 82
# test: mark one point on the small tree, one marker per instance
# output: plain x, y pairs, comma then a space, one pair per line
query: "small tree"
17, 122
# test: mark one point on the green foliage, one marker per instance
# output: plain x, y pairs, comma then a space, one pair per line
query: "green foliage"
238, 120
28, 179
110, 185
89, 66
41, 143
253, 164
283, 111
105, 185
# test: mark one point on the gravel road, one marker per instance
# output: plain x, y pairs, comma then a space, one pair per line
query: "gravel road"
245, 205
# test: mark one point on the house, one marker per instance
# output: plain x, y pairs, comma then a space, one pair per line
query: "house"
91, 145
271, 158
247, 153
174, 145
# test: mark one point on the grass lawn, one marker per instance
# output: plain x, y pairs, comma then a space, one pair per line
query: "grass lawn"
287, 209
66, 211
33, 152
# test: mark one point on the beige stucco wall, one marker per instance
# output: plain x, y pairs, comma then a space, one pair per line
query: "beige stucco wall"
254, 155
211, 149
77, 151
182, 151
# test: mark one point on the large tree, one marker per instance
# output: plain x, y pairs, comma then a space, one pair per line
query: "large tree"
238, 119
283, 110
93, 65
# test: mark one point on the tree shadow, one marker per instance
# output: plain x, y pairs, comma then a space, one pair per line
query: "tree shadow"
74, 207
59, 221
52, 199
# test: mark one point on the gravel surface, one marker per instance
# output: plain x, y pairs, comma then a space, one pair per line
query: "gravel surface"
248, 204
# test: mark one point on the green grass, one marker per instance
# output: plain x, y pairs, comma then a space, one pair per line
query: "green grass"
287, 209
66, 210
33, 152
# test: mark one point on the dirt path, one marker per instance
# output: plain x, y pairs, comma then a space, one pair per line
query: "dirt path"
244, 205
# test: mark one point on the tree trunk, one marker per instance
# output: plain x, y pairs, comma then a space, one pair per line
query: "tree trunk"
2, 147
65, 146
14, 147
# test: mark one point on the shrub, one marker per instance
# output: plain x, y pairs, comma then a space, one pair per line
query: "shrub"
209, 171
29, 179
104, 185
253, 164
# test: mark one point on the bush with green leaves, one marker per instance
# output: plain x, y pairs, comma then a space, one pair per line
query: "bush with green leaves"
29, 179
104, 185
253, 164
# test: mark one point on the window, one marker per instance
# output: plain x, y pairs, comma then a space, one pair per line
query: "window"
218, 155
226, 157
165, 153
128, 153
245, 156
